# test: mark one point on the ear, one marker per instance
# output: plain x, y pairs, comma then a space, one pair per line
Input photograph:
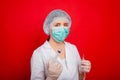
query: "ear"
50, 30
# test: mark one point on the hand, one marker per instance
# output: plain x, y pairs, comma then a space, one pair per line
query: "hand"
54, 69
85, 66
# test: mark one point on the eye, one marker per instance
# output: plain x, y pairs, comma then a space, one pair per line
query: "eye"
66, 24
57, 24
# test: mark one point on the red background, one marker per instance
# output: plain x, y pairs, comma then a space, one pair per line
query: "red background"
95, 31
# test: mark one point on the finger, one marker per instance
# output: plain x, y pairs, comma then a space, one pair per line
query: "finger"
85, 63
60, 68
56, 63
50, 61
85, 68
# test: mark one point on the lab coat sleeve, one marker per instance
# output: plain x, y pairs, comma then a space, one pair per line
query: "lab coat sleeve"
37, 66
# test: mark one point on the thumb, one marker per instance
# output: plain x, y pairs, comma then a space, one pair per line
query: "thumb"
47, 64
83, 57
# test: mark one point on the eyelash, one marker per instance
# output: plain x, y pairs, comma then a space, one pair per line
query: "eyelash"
59, 25
65, 24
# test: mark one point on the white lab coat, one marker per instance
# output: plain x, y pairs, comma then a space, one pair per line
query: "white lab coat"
44, 53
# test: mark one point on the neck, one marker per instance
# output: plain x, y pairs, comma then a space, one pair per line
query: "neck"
55, 43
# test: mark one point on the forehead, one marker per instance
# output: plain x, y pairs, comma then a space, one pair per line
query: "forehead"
60, 19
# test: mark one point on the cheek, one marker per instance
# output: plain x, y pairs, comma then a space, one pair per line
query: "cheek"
50, 33
51, 25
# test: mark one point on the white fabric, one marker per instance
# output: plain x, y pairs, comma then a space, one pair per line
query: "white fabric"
44, 53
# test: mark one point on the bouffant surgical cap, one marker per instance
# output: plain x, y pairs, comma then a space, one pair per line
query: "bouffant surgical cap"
51, 16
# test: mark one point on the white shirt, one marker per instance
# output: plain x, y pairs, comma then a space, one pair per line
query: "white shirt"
44, 53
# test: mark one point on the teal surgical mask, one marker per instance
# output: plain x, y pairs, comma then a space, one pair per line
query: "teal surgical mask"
60, 33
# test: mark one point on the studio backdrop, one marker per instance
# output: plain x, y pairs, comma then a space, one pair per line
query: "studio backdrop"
94, 30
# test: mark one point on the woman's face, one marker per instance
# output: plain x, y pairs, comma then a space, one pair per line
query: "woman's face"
59, 22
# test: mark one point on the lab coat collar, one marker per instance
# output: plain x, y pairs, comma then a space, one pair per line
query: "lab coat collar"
47, 45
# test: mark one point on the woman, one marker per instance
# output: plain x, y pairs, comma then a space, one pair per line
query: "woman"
57, 59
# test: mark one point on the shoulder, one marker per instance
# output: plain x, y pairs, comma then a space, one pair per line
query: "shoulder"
42, 49
36, 54
38, 51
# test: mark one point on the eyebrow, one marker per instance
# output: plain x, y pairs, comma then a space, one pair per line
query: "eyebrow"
65, 23
57, 24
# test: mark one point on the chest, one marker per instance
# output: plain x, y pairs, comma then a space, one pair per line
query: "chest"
70, 65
